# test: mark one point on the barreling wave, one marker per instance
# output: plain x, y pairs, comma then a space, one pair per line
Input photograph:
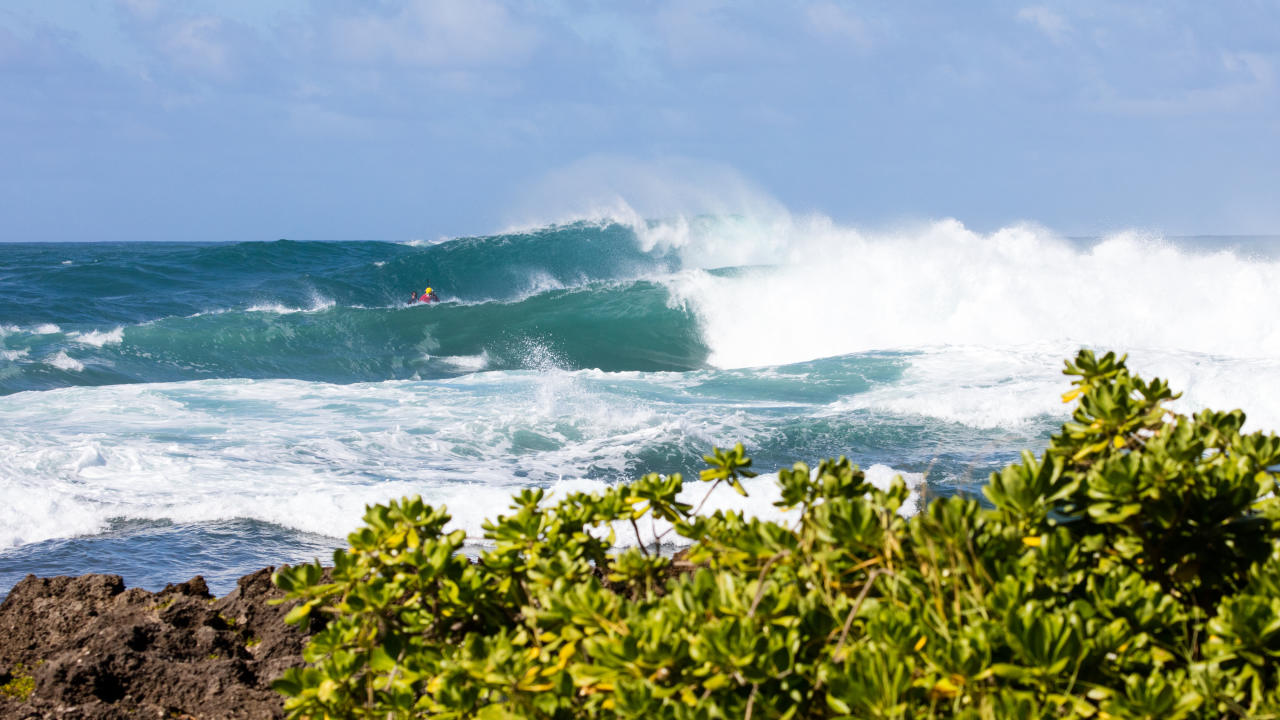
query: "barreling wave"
608, 325
129, 283
617, 294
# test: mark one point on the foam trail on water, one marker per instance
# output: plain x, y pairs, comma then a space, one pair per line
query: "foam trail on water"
310, 456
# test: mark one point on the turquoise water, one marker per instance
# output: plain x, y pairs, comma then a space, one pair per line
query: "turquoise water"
174, 409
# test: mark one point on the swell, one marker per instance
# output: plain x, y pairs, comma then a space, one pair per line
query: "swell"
609, 326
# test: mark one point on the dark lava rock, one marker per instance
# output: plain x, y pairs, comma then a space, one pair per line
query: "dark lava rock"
94, 649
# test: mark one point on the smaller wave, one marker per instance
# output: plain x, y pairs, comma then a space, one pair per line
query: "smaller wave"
13, 355
63, 361
318, 304
41, 329
276, 308
98, 338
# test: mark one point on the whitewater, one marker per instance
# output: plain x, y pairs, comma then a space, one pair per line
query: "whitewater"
177, 409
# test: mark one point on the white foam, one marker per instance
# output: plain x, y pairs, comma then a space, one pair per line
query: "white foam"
276, 308
98, 338
986, 318
974, 386
1018, 387
219, 449
62, 361
421, 242
836, 290
538, 282
13, 355
882, 476
469, 363
310, 456
319, 303
46, 329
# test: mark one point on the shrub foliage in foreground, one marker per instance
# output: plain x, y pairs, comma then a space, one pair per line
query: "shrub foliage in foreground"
1131, 570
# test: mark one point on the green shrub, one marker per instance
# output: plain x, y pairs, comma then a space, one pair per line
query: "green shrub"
1130, 570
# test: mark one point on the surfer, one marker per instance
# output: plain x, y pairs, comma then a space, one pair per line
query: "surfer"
413, 296
428, 296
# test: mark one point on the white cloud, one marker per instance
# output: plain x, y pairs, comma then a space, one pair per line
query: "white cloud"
1053, 25
436, 33
831, 20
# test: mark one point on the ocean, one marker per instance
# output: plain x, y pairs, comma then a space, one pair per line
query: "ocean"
173, 409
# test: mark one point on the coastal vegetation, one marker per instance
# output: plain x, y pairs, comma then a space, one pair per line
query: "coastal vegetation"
1131, 569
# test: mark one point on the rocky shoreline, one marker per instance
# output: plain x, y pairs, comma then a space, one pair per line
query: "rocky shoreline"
87, 647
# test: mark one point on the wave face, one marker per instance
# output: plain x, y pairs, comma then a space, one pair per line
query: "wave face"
580, 296
167, 409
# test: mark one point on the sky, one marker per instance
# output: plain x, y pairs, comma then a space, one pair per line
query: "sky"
418, 119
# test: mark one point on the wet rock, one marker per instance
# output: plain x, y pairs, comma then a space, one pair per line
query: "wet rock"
94, 649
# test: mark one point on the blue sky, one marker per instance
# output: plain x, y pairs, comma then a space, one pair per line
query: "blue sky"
247, 120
